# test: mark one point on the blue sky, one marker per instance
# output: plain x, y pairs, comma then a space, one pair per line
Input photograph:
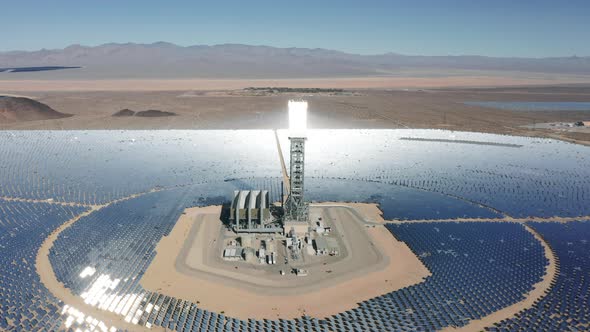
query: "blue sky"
495, 28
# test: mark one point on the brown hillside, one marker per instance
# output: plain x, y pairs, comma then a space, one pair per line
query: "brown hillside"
154, 113
124, 112
19, 109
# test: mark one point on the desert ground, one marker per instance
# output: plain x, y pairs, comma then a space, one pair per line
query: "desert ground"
363, 103
420, 81
320, 296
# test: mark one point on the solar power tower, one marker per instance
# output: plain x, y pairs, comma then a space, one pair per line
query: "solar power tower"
296, 209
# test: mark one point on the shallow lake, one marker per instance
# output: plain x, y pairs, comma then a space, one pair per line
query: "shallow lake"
533, 105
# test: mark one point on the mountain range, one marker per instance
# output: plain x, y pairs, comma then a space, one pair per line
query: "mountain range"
166, 60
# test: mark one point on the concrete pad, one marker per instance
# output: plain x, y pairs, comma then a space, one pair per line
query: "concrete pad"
187, 266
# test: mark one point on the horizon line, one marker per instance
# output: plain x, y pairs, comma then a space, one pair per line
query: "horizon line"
288, 47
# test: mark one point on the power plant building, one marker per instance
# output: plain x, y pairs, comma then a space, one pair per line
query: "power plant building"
250, 211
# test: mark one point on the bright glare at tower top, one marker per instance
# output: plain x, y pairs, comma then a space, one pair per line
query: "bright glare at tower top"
297, 118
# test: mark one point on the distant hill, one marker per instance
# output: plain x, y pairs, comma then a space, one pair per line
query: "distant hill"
165, 60
154, 113
18, 109
146, 114
124, 112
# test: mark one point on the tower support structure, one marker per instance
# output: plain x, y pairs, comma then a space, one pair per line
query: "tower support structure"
296, 209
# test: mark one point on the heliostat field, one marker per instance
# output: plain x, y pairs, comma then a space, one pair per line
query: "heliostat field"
495, 226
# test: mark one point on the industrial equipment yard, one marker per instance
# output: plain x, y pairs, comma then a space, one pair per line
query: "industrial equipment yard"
190, 254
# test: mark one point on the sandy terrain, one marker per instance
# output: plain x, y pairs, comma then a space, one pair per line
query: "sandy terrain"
28, 200
200, 257
225, 109
385, 82
402, 269
370, 211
